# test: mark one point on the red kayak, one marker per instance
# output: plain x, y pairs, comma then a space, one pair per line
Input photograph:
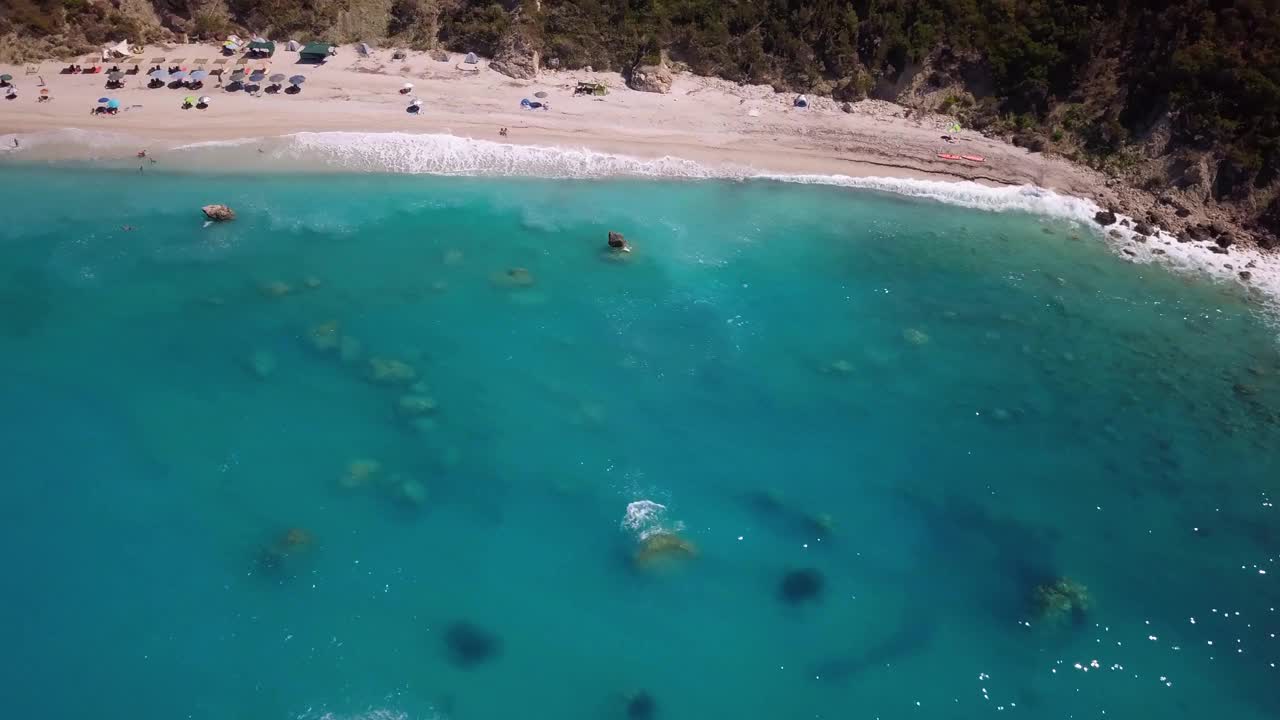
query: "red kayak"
974, 158
949, 156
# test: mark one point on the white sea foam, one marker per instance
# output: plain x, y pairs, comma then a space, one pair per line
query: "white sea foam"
452, 155
645, 517
443, 154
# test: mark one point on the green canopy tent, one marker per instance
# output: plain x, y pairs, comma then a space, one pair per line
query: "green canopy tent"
315, 52
262, 48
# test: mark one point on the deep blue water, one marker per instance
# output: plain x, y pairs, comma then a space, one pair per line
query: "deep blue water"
935, 409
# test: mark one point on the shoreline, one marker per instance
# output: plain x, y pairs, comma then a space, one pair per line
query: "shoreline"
351, 111
703, 119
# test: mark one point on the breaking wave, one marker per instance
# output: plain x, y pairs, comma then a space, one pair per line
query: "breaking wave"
645, 517
441, 154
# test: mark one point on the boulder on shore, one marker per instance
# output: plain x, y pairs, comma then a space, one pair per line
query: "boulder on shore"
218, 213
516, 57
651, 78
1104, 218
1143, 229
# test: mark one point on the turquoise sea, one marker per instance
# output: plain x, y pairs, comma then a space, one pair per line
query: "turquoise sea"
878, 424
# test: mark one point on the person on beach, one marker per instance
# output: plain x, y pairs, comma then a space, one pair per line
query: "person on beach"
15, 142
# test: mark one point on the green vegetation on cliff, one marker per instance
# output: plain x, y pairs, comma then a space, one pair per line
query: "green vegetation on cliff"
1089, 78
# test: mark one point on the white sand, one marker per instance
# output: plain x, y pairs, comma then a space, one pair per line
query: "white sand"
703, 119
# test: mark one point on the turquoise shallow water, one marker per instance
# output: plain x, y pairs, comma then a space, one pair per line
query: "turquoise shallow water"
936, 409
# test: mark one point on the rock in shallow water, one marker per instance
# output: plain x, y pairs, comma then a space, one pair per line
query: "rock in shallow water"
218, 213
262, 363
391, 371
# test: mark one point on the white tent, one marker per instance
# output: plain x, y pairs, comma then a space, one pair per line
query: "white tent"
292, 46
471, 59
120, 49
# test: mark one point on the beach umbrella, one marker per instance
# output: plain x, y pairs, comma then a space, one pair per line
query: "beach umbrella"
6, 77
104, 100
199, 75
257, 76
237, 75
189, 100
540, 94
408, 86
113, 104
44, 91
204, 99
297, 80
179, 76
277, 78
115, 75
416, 102
160, 74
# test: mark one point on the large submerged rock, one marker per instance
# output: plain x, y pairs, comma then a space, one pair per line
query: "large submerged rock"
651, 78
1104, 218
218, 213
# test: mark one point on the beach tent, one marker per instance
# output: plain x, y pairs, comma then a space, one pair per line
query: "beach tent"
471, 59
802, 101
315, 52
262, 48
293, 46
120, 49
364, 49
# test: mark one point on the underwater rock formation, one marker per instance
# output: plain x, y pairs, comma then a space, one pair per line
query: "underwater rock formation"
412, 492
1060, 600
415, 405
641, 706
915, 337
661, 548
468, 645
275, 289
273, 556
262, 364
391, 371
801, 586
324, 337
359, 473
839, 367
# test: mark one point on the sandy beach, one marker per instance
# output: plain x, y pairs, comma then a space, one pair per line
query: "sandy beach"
702, 119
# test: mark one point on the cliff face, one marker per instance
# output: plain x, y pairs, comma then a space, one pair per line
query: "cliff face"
1181, 97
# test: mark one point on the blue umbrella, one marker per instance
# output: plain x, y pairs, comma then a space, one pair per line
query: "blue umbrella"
258, 76
199, 75
297, 80
103, 100
180, 75
113, 104
158, 74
